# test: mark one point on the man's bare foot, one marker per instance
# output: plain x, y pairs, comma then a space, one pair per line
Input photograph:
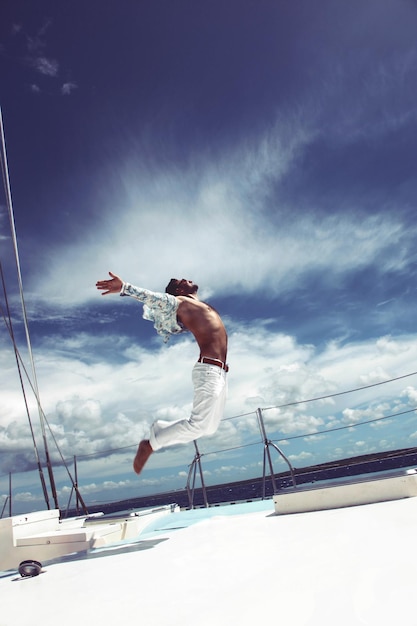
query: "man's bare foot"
142, 455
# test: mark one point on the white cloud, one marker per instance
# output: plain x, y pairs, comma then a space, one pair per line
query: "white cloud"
226, 210
45, 66
411, 394
68, 88
26, 496
388, 344
302, 456
94, 405
353, 416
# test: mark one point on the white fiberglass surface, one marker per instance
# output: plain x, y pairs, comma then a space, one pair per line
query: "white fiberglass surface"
347, 566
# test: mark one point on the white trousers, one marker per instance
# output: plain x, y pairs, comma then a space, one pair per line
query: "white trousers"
210, 390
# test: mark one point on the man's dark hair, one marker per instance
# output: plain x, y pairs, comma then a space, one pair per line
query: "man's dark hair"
172, 287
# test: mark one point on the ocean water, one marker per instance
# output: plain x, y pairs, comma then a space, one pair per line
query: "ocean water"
250, 490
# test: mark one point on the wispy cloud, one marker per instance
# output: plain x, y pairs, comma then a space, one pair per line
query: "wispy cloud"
68, 88
33, 51
36, 44
255, 240
36, 57
45, 66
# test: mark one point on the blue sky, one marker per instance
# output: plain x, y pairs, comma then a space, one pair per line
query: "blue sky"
265, 150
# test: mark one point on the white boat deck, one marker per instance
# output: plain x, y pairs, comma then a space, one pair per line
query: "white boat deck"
235, 564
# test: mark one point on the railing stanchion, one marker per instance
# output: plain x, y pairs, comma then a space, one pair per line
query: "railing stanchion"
267, 456
10, 494
196, 464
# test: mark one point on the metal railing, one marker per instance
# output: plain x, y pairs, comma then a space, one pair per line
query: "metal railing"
267, 443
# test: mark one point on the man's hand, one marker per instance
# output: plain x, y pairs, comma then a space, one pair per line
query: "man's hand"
113, 285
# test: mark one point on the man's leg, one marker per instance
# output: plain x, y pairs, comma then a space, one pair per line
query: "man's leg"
210, 388
142, 455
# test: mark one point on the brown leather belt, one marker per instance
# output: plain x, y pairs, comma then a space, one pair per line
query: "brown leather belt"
210, 361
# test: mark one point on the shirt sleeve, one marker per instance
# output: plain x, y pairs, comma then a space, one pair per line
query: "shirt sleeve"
159, 308
151, 298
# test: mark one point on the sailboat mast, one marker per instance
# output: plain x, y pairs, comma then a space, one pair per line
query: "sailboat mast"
25, 317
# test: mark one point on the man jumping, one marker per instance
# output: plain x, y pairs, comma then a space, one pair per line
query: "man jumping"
175, 311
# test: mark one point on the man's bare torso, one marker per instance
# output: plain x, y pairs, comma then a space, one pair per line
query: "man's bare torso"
206, 326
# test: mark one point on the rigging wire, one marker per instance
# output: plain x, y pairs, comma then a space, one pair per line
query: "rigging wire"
35, 387
21, 365
9, 327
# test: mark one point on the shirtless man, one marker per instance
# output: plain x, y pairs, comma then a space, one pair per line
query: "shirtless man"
175, 311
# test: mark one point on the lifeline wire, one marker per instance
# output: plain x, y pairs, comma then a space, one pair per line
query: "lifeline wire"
340, 393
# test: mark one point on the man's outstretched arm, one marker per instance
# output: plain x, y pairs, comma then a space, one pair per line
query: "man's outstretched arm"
150, 298
160, 308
